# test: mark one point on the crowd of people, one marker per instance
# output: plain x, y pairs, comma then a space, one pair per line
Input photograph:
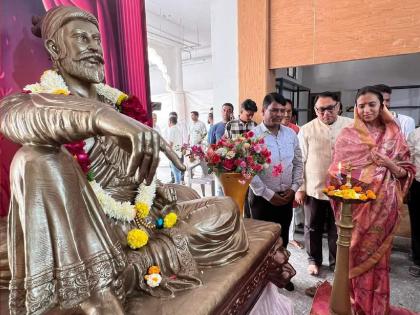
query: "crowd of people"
383, 148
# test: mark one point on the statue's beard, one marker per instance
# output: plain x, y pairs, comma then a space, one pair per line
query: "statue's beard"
84, 69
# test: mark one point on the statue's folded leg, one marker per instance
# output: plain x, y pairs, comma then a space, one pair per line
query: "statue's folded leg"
61, 250
217, 234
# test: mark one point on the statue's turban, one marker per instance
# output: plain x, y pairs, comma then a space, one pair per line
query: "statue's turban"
57, 17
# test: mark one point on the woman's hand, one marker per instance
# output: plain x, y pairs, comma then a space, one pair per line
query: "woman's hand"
381, 159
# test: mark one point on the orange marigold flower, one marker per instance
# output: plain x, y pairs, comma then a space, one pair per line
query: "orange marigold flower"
363, 197
344, 187
330, 193
153, 269
357, 189
370, 194
331, 187
325, 190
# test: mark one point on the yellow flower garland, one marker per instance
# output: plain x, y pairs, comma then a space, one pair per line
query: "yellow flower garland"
170, 220
137, 238
142, 210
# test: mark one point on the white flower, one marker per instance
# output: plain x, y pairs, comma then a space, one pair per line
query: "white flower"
153, 280
146, 194
33, 88
266, 165
221, 151
230, 155
112, 94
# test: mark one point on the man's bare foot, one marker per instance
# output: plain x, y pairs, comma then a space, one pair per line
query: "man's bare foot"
313, 270
296, 244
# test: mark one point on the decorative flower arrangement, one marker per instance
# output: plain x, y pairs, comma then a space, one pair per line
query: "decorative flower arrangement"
153, 277
246, 154
194, 152
52, 82
347, 192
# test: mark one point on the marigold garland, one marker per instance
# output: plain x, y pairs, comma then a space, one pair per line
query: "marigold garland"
137, 238
170, 220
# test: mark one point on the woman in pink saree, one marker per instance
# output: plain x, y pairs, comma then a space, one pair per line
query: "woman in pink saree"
380, 161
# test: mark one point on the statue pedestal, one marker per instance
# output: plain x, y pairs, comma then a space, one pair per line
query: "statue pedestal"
231, 289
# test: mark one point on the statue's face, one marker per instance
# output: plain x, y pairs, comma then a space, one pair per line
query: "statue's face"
83, 58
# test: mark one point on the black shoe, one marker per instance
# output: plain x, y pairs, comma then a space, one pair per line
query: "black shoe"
290, 286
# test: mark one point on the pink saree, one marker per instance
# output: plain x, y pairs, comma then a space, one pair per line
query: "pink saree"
376, 221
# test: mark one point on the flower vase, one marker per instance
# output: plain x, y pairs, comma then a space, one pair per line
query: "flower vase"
235, 186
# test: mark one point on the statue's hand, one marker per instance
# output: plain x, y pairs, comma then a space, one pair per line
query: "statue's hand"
143, 143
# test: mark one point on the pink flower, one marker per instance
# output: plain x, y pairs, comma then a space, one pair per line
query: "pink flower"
265, 153
242, 164
257, 167
246, 175
241, 181
257, 148
277, 169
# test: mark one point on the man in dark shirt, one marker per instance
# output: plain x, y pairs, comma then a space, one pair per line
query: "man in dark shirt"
218, 130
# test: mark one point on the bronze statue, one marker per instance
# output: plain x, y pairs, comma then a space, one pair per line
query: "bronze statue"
64, 251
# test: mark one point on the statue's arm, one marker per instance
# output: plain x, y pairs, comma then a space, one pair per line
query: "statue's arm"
58, 119
48, 118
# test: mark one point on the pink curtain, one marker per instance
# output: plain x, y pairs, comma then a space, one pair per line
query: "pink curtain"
133, 43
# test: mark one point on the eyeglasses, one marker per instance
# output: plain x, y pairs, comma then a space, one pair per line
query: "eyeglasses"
329, 108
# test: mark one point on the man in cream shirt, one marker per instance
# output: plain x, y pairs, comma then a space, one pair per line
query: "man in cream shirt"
317, 139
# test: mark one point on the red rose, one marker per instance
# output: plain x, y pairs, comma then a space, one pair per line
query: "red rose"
228, 164
215, 159
249, 134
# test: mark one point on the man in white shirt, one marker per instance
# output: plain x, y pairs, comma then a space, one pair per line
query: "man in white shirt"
317, 139
406, 123
271, 197
175, 141
414, 202
197, 130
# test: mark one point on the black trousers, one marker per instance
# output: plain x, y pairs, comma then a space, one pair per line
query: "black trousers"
319, 216
414, 211
261, 209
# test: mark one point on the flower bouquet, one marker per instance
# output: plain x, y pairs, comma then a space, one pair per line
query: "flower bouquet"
236, 161
246, 155
194, 152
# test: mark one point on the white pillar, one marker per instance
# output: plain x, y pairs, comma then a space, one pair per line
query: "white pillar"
224, 46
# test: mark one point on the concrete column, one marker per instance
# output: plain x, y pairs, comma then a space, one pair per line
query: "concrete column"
224, 47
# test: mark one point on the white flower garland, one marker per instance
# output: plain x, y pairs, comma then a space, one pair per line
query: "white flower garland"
124, 211
53, 83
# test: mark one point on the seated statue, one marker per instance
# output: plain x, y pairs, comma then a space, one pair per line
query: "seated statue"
64, 249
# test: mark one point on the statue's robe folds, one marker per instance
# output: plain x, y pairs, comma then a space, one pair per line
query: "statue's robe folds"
62, 247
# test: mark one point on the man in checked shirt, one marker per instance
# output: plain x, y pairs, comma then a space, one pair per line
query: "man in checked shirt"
244, 123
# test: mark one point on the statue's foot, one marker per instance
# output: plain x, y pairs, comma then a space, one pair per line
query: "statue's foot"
103, 302
313, 270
